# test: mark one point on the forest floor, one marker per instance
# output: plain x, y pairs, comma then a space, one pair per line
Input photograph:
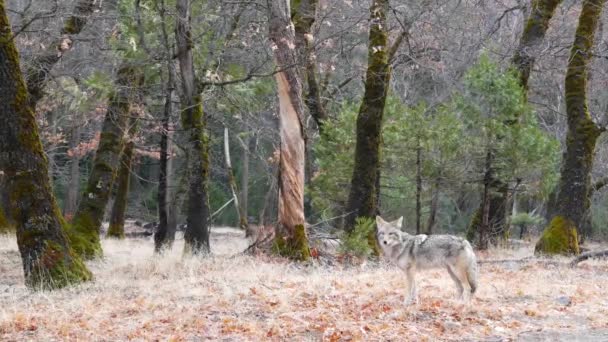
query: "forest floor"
232, 297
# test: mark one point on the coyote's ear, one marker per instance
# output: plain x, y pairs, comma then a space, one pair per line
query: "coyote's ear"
380, 222
399, 222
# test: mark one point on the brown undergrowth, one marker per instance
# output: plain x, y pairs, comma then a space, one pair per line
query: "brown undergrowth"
235, 297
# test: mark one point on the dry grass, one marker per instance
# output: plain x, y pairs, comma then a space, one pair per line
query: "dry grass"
137, 296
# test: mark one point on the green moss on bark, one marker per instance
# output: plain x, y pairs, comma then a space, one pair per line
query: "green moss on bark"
84, 240
294, 247
559, 237
56, 271
5, 226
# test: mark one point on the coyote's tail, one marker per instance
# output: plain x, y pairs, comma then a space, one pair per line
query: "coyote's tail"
471, 270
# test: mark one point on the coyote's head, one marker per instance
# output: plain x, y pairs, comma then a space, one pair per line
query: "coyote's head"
388, 232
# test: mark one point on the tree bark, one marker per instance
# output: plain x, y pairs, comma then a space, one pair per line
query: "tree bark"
291, 238
362, 200
418, 188
119, 207
48, 261
194, 122
248, 147
41, 66
434, 206
85, 228
164, 236
573, 201
71, 201
303, 15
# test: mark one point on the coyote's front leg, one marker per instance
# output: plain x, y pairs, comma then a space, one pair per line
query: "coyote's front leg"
411, 285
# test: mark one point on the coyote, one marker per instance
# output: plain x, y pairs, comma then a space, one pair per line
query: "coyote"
413, 252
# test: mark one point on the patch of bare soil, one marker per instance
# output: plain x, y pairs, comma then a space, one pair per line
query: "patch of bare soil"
231, 297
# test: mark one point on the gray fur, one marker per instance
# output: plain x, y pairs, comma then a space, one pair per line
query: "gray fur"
414, 252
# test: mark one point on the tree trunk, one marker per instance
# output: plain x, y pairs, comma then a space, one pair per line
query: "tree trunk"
85, 228
232, 182
165, 232
484, 227
303, 15
194, 122
362, 200
573, 202
418, 188
291, 238
117, 216
434, 206
36, 75
48, 261
71, 201
248, 147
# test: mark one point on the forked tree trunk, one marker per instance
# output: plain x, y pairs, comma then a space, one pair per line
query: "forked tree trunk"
194, 122
48, 261
535, 29
291, 238
86, 225
573, 203
363, 199
232, 182
532, 36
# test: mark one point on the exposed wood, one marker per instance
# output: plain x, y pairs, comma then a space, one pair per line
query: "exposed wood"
232, 182
291, 238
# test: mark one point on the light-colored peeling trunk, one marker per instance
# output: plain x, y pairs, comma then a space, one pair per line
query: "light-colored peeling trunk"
291, 238
232, 182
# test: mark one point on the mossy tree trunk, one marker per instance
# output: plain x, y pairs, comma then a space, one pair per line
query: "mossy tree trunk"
363, 199
42, 65
194, 122
291, 238
535, 29
573, 200
86, 224
48, 261
123, 179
